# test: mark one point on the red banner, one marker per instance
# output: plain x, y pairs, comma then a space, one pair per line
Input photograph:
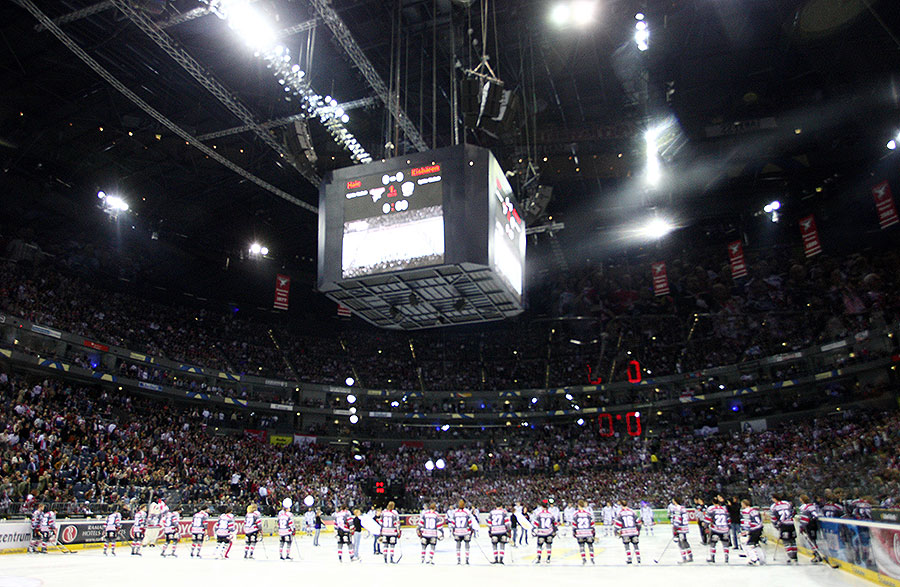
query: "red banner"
259, 435
736, 257
660, 278
96, 346
344, 311
282, 289
811, 244
884, 205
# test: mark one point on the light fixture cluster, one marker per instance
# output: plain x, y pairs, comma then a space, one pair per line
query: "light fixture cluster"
642, 32
112, 204
258, 34
892, 143
257, 249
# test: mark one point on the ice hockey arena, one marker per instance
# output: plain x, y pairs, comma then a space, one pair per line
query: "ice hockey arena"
449, 292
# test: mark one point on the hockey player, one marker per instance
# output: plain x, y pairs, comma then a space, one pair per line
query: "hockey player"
429, 528
719, 523
36, 518
390, 531
252, 529
171, 530
832, 507
647, 517
583, 530
285, 523
112, 527
701, 520
343, 525
628, 528
198, 530
809, 525
309, 521
224, 530
138, 529
499, 528
608, 517
782, 514
544, 530
678, 516
751, 530
568, 516
460, 520
48, 528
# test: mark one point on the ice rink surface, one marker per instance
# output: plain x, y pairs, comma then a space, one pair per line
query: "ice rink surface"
319, 566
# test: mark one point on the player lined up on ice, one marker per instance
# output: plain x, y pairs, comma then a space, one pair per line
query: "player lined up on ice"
718, 524
343, 526
628, 528
751, 530
462, 524
429, 528
139, 529
583, 530
198, 530
679, 517
285, 522
171, 531
809, 525
390, 531
112, 527
544, 527
782, 514
499, 528
224, 531
252, 530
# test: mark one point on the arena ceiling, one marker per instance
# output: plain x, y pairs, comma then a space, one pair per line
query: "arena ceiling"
765, 99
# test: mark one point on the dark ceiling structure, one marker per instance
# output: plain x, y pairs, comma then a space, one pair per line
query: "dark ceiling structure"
762, 98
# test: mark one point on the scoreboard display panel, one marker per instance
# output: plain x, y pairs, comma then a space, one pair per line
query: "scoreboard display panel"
393, 221
423, 239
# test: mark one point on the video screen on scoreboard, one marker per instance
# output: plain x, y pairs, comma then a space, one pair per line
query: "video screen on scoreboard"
393, 221
509, 232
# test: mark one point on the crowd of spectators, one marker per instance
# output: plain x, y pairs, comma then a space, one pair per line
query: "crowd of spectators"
69, 444
706, 320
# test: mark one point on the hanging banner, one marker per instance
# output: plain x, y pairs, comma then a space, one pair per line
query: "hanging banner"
811, 244
344, 311
282, 289
736, 258
884, 205
660, 278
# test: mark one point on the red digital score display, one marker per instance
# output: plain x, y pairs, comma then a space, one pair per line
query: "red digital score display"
632, 424
379, 487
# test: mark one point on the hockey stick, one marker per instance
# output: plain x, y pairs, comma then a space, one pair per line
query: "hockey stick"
777, 544
668, 544
815, 549
483, 552
296, 543
263, 542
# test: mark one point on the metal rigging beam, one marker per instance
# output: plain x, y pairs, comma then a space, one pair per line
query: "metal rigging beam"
78, 14
343, 36
284, 121
155, 114
220, 92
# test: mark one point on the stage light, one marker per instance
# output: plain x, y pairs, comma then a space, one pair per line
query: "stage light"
892, 144
772, 206
534, 400
440, 464
354, 419
569, 396
560, 14
445, 427
639, 16
264, 250
429, 464
395, 404
637, 414
255, 248
349, 381
358, 457
583, 12
101, 194
580, 421
641, 25
250, 26
351, 399
116, 203
345, 118
656, 228
352, 410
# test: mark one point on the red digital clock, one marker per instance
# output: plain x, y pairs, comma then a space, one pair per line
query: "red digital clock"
632, 424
